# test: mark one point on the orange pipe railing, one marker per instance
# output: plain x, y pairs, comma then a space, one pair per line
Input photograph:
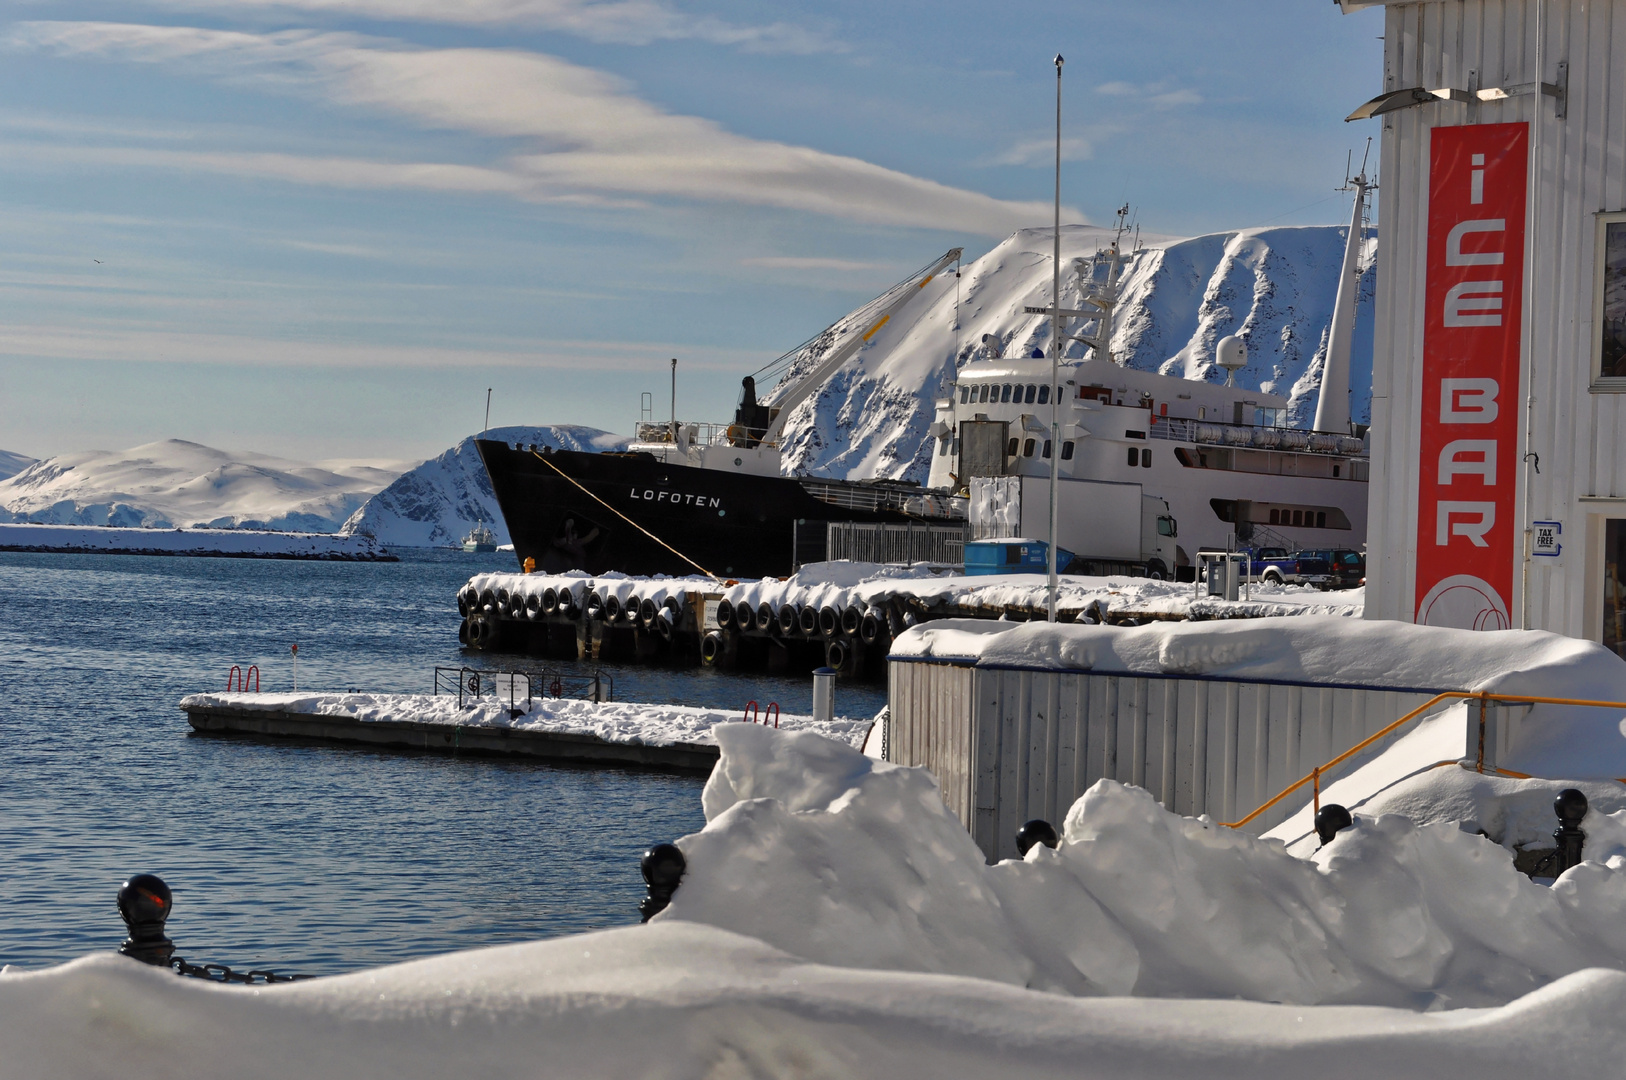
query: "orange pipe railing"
1485, 699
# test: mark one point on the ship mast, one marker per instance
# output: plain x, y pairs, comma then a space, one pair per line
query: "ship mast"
1332, 411
1055, 365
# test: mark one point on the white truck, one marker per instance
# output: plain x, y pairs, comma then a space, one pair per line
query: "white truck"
1109, 527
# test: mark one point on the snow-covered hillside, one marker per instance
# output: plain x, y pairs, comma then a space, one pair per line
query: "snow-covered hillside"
11, 464
437, 503
174, 483
1273, 287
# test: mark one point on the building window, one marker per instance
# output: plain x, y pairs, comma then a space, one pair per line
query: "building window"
1609, 301
1067, 450
1044, 395
1614, 586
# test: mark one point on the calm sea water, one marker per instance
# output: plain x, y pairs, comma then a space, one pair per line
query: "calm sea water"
312, 859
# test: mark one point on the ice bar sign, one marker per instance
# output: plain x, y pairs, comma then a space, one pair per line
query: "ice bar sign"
1467, 521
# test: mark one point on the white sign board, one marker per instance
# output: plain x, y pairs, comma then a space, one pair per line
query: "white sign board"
1544, 539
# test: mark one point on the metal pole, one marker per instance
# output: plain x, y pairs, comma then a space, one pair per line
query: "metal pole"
674, 397
1533, 200
1055, 360
488, 412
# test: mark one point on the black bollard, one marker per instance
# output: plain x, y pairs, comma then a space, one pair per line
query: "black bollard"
1570, 806
662, 867
144, 903
1330, 820
1037, 831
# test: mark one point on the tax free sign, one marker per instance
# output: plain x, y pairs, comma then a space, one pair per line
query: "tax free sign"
1467, 520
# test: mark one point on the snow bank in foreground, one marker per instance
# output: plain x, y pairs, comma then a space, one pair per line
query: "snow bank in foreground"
832, 856
241, 542
612, 721
681, 1001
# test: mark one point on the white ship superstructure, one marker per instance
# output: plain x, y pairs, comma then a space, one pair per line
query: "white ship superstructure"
1220, 455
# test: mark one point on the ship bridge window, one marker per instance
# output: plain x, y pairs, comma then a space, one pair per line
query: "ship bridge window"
965, 395
1047, 448
1032, 389
1044, 395
1005, 395
982, 394
943, 446
1010, 451
1067, 450
1027, 448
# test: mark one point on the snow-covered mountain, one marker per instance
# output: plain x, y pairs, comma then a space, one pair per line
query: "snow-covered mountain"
1272, 287
12, 464
437, 503
173, 483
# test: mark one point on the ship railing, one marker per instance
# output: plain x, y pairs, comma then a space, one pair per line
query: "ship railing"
1293, 440
904, 500
692, 433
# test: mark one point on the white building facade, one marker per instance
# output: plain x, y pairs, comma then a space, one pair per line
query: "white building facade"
1498, 482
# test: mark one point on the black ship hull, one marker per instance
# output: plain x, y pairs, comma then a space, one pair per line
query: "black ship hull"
635, 514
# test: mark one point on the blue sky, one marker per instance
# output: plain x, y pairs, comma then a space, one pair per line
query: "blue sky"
325, 227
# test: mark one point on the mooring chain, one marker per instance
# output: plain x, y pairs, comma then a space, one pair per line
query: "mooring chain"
223, 974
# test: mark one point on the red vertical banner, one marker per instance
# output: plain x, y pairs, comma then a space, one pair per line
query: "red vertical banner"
1467, 512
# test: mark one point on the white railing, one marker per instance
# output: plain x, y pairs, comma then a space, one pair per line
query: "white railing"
1293, 440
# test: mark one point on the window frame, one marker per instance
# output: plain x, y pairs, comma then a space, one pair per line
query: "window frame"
1601, 383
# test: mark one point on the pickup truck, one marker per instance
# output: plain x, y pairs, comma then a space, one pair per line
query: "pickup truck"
1275, 566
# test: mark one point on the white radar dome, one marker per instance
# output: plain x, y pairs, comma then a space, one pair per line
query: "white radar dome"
1231, 354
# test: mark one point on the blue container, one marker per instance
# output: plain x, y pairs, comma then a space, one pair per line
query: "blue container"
1012, 556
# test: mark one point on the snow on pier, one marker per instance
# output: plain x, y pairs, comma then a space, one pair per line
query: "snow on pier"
237, 543
629, 733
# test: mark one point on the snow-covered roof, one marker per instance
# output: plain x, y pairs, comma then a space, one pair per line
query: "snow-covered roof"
1323, 650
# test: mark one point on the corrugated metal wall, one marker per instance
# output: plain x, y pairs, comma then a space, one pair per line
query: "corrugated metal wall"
1580, 435
1008, 746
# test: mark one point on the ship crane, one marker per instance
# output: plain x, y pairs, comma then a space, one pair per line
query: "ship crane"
889, 305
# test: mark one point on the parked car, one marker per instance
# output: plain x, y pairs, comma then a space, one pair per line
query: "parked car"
1346, 567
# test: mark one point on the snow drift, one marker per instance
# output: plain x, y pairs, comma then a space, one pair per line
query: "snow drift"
832, 856
173, 483
1272, 287
437, 503
676, 1000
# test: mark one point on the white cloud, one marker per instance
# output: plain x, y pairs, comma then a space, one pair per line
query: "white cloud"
810, 262
1042, 151
582, 133
625, 22
1155, 94
124, 342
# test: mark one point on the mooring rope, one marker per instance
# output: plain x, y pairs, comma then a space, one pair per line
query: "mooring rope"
624, 517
